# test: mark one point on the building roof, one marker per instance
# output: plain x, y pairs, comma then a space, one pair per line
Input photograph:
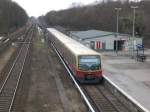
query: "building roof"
91, 34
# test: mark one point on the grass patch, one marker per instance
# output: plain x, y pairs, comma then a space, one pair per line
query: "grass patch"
36, 105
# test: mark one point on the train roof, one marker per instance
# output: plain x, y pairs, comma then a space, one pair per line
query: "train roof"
74, 46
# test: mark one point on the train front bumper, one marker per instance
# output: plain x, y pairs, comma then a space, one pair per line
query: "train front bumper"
89, 77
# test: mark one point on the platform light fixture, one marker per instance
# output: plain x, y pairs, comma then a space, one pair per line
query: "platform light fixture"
117, 27
133, 28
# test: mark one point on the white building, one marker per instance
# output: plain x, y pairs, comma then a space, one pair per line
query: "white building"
102, 40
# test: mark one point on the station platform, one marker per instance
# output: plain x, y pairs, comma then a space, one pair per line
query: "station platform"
132, 78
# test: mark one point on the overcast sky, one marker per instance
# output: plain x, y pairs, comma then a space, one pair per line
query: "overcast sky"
39, 7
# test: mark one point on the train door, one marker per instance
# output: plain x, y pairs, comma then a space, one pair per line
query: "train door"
121, 44
118, 44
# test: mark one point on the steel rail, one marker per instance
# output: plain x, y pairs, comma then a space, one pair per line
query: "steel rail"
97, 108
11, 68
116, 106
107, 99
98, 99
20, 75
91, 109
103, 100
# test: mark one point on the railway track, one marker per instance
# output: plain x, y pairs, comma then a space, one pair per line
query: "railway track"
102, 99
9, 86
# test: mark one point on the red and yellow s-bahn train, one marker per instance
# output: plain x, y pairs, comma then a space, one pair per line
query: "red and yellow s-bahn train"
84, 63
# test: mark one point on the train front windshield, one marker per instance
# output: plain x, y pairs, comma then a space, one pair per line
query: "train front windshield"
91, 63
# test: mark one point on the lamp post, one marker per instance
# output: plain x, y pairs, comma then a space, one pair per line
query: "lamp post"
133, 28
117, 28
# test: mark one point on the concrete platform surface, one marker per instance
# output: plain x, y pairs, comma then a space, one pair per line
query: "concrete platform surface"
130, 77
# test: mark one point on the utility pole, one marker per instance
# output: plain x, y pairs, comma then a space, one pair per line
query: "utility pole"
133, 30
117, 28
